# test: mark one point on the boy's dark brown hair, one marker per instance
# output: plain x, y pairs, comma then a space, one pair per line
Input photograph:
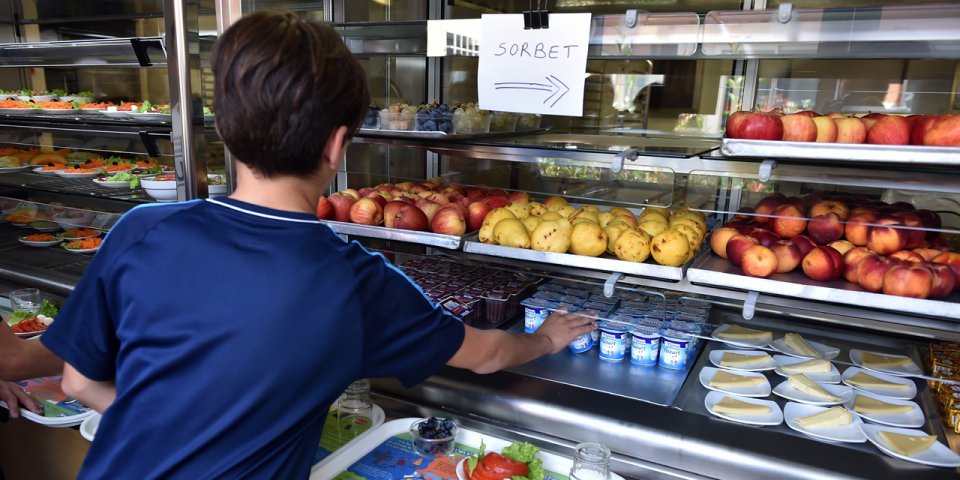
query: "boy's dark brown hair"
283, 85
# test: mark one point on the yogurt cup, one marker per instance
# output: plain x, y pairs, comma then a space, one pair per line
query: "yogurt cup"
535, 311
645, 346
582, 343
674, 349
614, 341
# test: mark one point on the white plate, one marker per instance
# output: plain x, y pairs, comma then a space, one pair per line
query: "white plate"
938, 455
80, 250
88, 428
70, 421
847, 433
77, 175
26, 335
911, 419
736, 343
833, 376
41, 171
785, 390
826, 351
901, 394
717, 355
775, 417
48, 243
14, 169
59, 111
856, 356
107, 184
462, 476
759, 390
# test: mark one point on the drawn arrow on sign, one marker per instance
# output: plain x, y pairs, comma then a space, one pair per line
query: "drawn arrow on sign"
555, 86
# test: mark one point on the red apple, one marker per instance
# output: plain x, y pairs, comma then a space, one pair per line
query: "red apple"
760, 126
850, 130
324, 209
890, 130
734, 122
789, 221
808, 113
885, 237
825, 228
798, 128
366, 212
476, 212
737, 245
919, 128
820, 264
351, 192
827, 206
826, 129
366, 191
495, 201
871, 119
428, 208
852, 259
759, 261
908, 281
719, 239
871, 270
341, 206
376, 197
496, 192
788, 255
405, 216
405, 186
944, 280
804, 243
945, 132
519, 197
449, 221
858, 226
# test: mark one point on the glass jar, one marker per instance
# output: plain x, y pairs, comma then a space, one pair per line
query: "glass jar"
591, 462
356, 399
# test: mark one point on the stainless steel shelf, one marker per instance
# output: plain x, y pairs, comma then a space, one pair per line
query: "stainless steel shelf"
605, 263
842, 152
422, 238
709, 269
134, 52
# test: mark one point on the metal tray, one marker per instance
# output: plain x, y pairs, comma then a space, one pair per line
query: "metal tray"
605, 262
439, 135
842, 152
709, 269
410, 236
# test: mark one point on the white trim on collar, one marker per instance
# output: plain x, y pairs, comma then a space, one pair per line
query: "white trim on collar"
262, 215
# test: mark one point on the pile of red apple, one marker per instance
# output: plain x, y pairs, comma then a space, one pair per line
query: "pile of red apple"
875, 128
894, 249
449, 209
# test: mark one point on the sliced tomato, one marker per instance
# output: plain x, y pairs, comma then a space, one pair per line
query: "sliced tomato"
497, 467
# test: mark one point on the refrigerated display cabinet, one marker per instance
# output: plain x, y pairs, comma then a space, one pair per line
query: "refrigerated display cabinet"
657, 95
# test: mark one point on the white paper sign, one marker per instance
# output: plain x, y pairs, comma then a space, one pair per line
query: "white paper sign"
533, 71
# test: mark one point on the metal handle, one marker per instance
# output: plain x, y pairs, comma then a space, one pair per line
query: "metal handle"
617, 164
785, 12
766, 169
750, 305
610, 286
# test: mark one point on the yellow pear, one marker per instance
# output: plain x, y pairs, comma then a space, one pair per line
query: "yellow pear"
603, 218
554, 202
632, 246
621, 211
629, 219
652, 227
550, 216
486, 228
587, 238
583, 219
670, 248
687, 211
663, 212
613, 230
511, 232
536, 209
531, 222
519, 210
693, 238
701, 229
566, 210
552, 236
590, 208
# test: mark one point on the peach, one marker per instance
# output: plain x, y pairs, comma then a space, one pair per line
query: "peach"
953, 261
931, 221
871, 271
804, 243
766, 206
885, 237
759, 261
719, 238
825, 228
927, 253
737, 245
789, 220
906, 256
820, 264
841, 246
827, 206
788, 255
914, 232
908, 281
857, 227
764, 236
944, 280
852, 259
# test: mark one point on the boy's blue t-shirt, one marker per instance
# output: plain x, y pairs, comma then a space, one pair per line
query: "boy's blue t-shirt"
229, 329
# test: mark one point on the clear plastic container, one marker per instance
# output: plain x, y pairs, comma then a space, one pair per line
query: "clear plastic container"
396, 120
471, 123
433, 447
528, 121
503, 122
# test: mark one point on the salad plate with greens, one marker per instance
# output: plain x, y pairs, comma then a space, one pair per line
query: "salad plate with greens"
26, 324
119, 180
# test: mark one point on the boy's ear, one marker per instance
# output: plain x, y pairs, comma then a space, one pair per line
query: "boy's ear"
334, 148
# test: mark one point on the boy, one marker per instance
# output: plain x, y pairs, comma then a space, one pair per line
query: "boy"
214, 334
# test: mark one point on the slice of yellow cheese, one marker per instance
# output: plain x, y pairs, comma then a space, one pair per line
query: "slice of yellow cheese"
871, 405
732, 406
804, 384
883, 361
869, 381
730, 359
810, 366
736, 332
907, 444
831, 417
798, 344
723, 379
